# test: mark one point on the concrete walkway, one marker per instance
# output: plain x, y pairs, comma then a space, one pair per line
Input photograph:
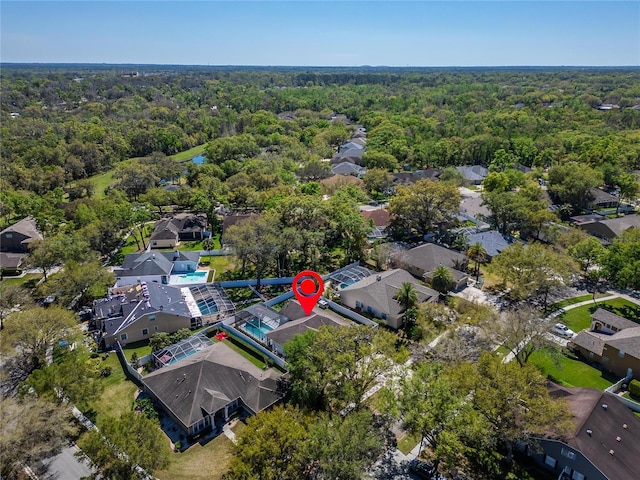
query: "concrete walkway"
229, 433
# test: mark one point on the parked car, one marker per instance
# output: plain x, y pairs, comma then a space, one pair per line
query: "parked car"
423, 470
322, 303
562, 330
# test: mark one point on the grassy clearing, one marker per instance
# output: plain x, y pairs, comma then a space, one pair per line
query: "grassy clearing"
567, 370
408, 442
580, 318
28, 281
189, 154
246, 351
200, 462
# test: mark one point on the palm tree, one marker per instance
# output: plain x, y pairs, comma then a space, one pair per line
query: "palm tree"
478, 254
406, 296
442, 279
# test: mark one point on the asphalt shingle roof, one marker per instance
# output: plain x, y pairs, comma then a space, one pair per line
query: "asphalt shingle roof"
205, 382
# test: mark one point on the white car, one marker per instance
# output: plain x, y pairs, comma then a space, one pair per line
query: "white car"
562, 330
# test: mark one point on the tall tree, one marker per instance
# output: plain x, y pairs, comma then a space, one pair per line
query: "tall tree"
271, 447
621, 263
587, 252
423, 207
406, 296
130, 441
442, 279
478, 254
571, 183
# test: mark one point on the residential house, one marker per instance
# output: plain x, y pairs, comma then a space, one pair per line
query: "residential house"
15, 241
169, 231
601, 199
375, 295
473, 174
491, 240
336, 181
298, 324
201, 391
155, 267
609, 229
352, 155
603, 445
17, 237
422, 261
407, 178
612, 341
349, 145
135, 312
347, 168
234, 219
380, 218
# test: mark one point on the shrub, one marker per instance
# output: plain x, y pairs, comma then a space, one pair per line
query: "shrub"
634, 388
106, 371
177, 446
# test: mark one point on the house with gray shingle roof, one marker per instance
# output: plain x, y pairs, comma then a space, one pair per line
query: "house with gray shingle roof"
351, 155
155, 267
347, 168
491, 240
200, 392
610, 228
422, 261
473, 174
613, 342
375, 295
17, 237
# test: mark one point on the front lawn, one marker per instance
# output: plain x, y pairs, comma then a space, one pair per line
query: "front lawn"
579, 318
29, 280
567, 370
408, 442
200, 462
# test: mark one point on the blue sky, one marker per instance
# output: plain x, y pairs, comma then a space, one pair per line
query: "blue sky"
394, 33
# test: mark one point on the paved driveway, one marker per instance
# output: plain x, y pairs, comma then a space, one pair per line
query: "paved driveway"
65, 466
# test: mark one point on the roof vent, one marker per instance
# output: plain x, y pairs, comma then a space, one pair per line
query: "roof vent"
604, 406
378, 278
618, 439
589, 431
611, 452
625, 426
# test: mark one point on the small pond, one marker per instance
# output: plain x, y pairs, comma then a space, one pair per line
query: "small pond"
198, 160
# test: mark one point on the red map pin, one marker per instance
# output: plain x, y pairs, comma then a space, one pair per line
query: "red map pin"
308, 287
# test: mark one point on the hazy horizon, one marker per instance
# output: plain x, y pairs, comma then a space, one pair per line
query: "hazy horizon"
323, 34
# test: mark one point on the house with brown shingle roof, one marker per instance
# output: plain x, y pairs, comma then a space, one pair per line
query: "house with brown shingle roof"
613, 342
15, 242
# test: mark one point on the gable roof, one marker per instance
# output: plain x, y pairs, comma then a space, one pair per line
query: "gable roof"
473, 172
590, 341
380, 216
611, 318
491, 240
153, 263
27, 227
600, 196
11, 260
355, 153
348, 168
613, 227
133, 302
205, 382
429, 256
606, 425
349, 145
377, 291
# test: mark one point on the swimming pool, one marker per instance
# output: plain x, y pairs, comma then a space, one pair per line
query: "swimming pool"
258, 331
199, 160
191, 277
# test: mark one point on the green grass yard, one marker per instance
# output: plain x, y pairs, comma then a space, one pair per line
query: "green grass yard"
567, 370
572, 301
29, 280
579, 318
200, 462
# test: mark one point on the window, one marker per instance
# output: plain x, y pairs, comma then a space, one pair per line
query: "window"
155, 242
550, 461
123, 336
145, 331
358, 304
152, 318
8, 235
384, 316
621, 353
577, 476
